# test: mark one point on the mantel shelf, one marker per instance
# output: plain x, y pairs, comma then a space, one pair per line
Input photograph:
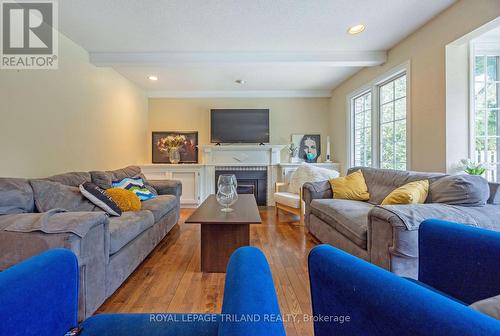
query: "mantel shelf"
242, 147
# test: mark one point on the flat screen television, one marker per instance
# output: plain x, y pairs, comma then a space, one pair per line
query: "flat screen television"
239, 125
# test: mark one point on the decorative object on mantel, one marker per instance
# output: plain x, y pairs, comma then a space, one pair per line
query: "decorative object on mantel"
328, 156
175, 147
293, 152
309, 146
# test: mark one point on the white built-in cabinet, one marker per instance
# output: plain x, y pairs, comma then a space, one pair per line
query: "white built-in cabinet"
190, 176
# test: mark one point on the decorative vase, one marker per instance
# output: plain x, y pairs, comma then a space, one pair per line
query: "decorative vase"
174, 155
227, 193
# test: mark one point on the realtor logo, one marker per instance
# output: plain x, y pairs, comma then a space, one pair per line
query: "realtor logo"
29, 37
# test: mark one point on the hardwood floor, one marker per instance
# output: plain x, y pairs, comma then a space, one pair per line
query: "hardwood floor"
169, 280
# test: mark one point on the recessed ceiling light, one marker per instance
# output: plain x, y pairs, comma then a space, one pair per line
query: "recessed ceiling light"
240, 81
356, 29
153, 78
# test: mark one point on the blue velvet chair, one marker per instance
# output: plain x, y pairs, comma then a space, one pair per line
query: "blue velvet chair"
458, 265
40, 295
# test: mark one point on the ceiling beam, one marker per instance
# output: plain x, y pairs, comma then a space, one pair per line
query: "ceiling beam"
241, 94
331, 58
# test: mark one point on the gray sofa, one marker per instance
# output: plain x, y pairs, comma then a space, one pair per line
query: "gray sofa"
388, 235
108, 248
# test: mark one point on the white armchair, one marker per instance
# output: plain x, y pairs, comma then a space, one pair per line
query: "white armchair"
288, 201
288, 194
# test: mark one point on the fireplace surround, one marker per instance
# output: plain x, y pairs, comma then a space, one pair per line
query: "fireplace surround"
251, 180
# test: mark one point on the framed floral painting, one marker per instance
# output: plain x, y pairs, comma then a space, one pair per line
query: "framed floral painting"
185, 142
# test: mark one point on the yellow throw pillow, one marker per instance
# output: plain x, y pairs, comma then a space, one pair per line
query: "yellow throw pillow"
350, 187
125, 199
410, 193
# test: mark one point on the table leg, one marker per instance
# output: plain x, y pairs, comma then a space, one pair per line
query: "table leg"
218, 242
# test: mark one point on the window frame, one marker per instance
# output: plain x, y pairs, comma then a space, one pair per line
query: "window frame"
374, 88
353, 123
484, 50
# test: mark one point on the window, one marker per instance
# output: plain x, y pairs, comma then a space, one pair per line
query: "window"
486, 142
393, 124
362, 117
378, 125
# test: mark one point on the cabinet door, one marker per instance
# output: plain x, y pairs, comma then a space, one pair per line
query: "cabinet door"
190, 185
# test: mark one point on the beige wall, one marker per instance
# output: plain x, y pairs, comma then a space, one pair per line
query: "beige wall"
425, 49
287, 116
78, 117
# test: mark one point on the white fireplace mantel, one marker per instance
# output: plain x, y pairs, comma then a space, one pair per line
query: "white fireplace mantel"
246, 155
268, 156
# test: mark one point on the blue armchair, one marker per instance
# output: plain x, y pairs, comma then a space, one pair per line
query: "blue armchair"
458, 265
40, 296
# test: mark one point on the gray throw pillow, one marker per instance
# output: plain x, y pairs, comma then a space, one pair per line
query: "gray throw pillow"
489, 306
73, 179
464, 190
16, 196
53, 195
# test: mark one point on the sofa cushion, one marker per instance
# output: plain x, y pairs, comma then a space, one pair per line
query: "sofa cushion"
381, 182
464, 190
350, 218
16, 196
160, 205
73, 179
53, 195
287, 198
127, 227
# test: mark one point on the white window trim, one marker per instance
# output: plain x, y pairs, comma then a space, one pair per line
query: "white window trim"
374, 87
351, 123
475, 49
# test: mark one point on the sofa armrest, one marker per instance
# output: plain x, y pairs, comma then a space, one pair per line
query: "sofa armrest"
167, 187
249, 291
459, 260
390, 244
378, 302
311, 191
92, 251
40, 295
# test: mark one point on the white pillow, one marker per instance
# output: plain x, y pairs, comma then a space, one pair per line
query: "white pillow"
309, 173
489, 306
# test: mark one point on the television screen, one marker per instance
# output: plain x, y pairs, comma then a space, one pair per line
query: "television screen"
239, 125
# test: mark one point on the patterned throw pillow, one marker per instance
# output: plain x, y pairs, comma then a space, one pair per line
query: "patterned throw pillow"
136, 185
98, 196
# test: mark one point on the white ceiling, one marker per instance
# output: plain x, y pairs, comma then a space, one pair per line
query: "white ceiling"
204, 46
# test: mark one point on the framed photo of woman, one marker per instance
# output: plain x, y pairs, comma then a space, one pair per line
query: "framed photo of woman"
309, 146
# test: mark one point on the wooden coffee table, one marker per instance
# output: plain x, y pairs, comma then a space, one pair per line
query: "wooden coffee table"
223, 232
